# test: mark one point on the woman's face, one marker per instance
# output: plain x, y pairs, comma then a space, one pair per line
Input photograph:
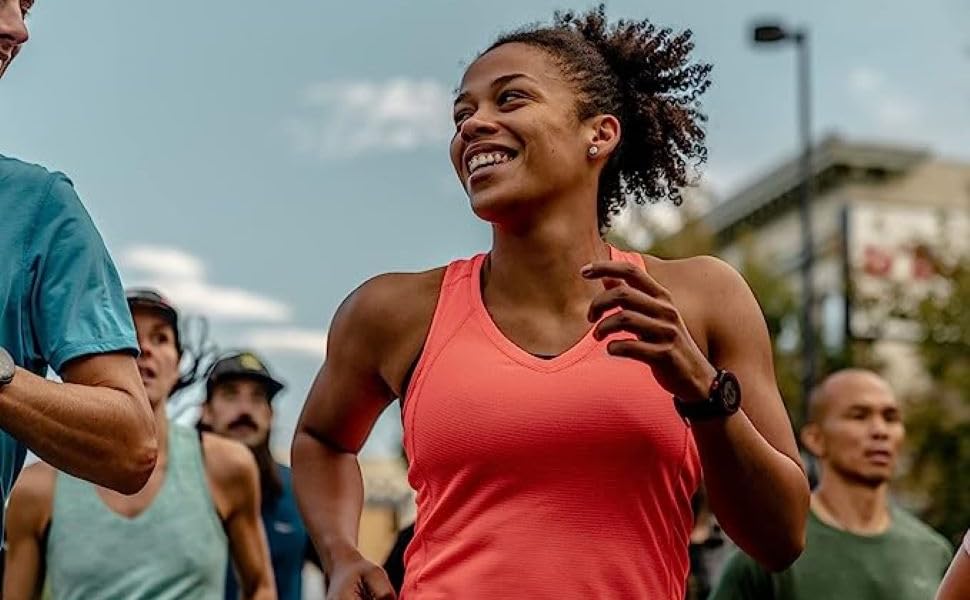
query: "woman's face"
158, 361
518, 139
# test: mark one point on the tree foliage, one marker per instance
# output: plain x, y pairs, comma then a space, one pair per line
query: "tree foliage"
938, 418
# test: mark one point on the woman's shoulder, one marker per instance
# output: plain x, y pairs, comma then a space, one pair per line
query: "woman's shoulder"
392, 297
701, 275
711, 294
383, 323
387, 310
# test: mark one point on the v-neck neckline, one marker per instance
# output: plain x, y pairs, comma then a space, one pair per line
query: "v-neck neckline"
570, 356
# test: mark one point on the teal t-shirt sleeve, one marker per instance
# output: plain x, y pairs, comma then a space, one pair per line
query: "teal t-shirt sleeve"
742, 579
78, 305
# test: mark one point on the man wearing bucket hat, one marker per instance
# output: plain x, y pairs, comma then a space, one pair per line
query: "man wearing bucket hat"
239, 404
172, 540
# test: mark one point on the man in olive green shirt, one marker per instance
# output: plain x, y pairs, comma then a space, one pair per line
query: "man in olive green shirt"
859, 546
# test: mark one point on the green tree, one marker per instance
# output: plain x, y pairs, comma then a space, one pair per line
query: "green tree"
779, 303
938, 419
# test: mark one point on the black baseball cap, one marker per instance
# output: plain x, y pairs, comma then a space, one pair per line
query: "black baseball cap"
151, 299
241, 365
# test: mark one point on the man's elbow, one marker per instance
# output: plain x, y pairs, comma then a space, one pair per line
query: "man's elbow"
132, 470
136, 456
141, 464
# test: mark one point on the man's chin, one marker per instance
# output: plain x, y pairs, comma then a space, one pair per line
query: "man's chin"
874, 477
246, 438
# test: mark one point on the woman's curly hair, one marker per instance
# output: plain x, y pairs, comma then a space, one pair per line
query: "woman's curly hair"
642, 75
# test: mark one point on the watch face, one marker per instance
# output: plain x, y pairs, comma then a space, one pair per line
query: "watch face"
730, 394
7, 367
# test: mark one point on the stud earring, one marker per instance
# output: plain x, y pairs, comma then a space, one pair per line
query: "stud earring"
593, 150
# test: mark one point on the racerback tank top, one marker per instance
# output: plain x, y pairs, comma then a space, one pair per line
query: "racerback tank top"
175, 549
568, 477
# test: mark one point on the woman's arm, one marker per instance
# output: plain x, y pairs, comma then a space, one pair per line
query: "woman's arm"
757, 487
956, 583
28, 515
234, 480
755, 482
374, 336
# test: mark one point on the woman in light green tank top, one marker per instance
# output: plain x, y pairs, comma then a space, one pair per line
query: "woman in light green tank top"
171, 539
175, 549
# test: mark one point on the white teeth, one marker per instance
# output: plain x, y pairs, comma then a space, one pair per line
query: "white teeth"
487, 158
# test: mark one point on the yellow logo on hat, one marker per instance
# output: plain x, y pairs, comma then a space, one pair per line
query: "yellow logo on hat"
250, 362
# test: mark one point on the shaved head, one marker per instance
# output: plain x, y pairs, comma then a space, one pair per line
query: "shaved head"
854, 427
842, 384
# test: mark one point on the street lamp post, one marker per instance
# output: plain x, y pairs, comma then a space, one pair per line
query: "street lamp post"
773, 33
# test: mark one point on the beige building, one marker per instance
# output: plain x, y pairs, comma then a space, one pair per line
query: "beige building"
879, 213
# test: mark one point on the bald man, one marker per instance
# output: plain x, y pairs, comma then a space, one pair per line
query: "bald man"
859, 545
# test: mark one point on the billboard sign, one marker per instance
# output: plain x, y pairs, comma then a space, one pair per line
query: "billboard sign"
893, 251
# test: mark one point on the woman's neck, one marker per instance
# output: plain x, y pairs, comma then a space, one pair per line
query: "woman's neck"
541, 266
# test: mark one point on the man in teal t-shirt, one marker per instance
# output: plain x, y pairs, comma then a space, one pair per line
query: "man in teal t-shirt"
62, 306
859, 546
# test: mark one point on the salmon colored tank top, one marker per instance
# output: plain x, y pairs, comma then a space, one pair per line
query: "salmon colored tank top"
562, 478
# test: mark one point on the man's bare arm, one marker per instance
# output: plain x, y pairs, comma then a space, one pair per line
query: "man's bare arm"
234, 476
27, 516
96, 426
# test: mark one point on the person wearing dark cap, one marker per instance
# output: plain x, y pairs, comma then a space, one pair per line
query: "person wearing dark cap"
169, 541
62, 307
239, 404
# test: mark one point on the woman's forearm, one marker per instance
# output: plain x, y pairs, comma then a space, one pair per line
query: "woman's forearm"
759, 495
330, 493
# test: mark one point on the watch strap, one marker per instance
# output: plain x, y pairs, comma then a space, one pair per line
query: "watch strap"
713, 407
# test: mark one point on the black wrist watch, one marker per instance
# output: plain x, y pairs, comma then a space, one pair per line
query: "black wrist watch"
723, 400
7, 367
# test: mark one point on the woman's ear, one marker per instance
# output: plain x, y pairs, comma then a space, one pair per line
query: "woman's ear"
605, 135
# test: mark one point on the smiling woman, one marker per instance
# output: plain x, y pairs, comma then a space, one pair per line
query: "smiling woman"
561, 398
636, 73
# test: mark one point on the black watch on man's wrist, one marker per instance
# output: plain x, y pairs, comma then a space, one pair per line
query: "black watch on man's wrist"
723, 400
7, 367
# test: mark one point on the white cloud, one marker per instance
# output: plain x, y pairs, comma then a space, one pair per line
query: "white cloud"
307, 342
889, 107
163, 262
181, 277
341, 119
865, 80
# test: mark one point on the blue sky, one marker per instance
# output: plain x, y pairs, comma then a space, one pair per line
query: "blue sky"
258, 161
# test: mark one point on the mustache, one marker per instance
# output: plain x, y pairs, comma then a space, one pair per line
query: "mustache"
244, 420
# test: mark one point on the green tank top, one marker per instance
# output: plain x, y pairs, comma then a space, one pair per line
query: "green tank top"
175, 548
